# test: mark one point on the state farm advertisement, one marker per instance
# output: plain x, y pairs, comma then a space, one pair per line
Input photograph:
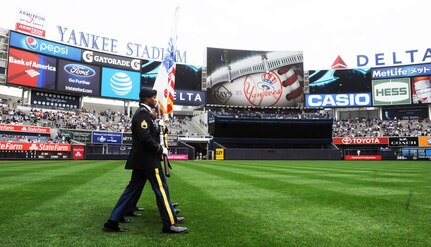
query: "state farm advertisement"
24, 128
359, 140
78, 152
23, 146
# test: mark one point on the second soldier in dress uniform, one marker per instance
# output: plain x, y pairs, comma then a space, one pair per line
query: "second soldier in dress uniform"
145, 161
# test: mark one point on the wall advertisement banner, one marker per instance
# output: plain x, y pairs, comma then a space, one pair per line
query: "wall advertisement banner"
391, 92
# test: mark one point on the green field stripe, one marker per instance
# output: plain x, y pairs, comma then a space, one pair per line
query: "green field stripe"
295, 213
377, 179
313, 194
40, 171
241, 216
34, 193
18, 170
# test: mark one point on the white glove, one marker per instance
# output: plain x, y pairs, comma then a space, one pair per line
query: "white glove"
161, 123
165, 151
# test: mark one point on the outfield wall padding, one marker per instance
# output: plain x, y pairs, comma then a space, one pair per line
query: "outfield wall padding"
281, 154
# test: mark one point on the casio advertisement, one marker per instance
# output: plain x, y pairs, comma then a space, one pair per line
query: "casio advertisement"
120, 84
338, 100
31, 70
43, 46
78, 78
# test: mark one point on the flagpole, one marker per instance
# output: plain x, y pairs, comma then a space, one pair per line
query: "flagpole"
165, 84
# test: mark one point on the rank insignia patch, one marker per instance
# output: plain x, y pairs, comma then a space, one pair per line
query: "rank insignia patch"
144, 124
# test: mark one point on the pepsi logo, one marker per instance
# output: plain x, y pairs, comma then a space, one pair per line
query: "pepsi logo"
79, 70
121, 83
31, 43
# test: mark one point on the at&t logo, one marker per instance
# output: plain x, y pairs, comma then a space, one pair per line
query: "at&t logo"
121, 83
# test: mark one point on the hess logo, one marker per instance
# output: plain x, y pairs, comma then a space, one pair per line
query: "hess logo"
31, 43
391, 91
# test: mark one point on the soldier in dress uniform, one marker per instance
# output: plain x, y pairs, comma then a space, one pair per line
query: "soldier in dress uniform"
145, 162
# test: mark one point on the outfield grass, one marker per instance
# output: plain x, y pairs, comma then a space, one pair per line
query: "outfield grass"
225, 203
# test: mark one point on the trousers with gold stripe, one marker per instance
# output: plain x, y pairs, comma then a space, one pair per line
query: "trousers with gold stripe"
137, 182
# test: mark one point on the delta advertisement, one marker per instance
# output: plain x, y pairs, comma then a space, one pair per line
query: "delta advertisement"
339, 88
255, 78
38, 45
78, 78
121, 84
31, 70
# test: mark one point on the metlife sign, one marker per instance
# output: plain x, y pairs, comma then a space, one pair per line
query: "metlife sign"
401, 71
391, 92
34, 44
338, 100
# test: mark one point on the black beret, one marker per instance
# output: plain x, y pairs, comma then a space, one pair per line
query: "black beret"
147, 92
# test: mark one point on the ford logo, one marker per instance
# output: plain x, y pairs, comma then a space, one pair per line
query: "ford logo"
79, 70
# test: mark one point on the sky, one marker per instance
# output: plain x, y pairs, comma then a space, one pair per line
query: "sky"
321, 29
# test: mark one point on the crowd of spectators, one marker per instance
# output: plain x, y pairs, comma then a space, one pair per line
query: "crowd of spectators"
115, 121
364, 127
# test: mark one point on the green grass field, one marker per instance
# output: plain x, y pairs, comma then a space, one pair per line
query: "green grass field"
225, 203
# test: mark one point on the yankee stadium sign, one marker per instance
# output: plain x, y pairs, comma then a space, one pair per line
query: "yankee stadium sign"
107, 44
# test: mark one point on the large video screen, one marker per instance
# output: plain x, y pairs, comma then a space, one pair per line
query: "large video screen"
31, 70
188, 77
121, 84
255, 78
339, 88
78, 78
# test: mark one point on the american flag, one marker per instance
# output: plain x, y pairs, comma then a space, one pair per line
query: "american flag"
165, 81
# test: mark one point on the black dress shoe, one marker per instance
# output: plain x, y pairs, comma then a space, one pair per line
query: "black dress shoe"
133, 214
175, 229
177, 211
139, 209
175, 204
112, 227
125, 220
180, 220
